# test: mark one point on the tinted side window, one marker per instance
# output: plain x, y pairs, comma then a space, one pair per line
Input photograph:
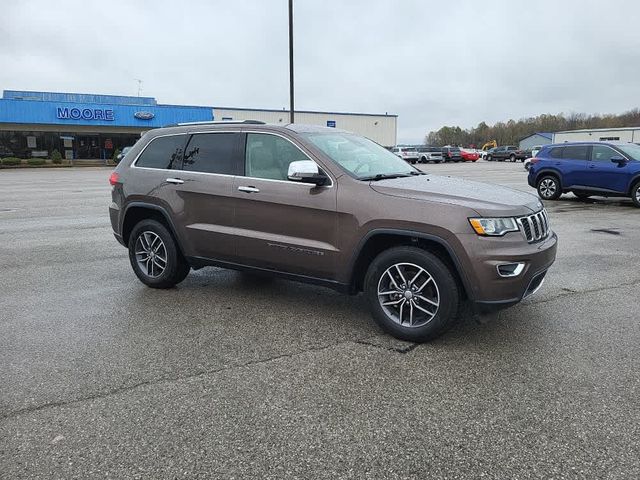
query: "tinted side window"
163, 152
212, 153
269, 156
576, 152
602, 153
556, 152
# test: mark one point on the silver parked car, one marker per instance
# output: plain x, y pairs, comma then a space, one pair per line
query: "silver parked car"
430, 154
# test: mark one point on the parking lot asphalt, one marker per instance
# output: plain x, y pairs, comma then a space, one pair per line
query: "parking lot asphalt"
232, 376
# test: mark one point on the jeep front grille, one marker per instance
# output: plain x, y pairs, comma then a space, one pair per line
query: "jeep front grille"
534, 227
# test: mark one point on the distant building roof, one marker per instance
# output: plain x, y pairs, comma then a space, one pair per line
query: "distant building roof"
612, 129
547, 135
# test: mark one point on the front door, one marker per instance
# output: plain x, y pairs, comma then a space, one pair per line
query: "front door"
280, 224
605, 174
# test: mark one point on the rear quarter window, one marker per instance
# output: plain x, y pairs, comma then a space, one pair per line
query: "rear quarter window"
163, 152
555, 152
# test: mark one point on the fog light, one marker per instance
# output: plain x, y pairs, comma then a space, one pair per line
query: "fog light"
510, 269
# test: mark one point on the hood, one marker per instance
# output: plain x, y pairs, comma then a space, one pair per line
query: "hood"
486, 199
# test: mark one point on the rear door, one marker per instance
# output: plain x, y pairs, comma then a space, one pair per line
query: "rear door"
603, 173
151, 174
574, 165
204, 202
280, 224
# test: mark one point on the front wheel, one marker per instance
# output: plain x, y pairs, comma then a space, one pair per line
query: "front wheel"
512, 159
489, 158
154, 255
635, 194
549, 188
412, 294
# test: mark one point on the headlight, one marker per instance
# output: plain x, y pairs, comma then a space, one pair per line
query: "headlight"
495, 227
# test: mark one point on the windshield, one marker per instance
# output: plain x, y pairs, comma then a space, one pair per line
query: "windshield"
632, 150
359, 156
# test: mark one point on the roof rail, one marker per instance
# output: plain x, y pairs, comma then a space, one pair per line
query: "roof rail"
216, 122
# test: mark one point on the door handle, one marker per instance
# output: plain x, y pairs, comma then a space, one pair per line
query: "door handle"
175, 181
249, 189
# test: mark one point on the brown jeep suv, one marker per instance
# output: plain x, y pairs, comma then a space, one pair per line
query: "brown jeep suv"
328, 207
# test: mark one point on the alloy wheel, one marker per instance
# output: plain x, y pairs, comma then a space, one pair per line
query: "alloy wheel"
408, 294
151, 254
547, 188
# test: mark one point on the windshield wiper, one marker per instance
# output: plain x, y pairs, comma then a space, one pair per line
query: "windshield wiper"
385, 176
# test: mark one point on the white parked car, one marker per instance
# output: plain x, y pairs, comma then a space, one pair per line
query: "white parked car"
409, 154
534, 152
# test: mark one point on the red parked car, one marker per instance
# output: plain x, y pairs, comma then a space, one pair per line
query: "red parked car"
469, 156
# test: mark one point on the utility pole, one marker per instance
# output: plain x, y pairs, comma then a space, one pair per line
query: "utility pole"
139, 85
291, 111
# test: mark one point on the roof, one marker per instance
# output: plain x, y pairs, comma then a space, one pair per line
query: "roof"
275, 110
613, 129
588, 142
547, 135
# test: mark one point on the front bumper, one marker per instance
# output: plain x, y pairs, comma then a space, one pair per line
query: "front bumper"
486, 287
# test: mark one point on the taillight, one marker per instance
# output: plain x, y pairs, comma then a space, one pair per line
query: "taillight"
114, 178
534, 160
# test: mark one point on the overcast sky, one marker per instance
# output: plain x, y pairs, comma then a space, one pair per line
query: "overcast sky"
433, 63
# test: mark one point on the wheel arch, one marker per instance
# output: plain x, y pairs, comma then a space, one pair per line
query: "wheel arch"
634, 180
137, 211
378, 240
549, 171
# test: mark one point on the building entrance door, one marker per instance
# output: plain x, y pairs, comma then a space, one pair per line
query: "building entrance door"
87, 146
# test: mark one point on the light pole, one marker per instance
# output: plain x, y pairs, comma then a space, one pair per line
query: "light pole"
291, 61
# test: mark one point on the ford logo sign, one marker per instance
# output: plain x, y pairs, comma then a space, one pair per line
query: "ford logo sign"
144, 115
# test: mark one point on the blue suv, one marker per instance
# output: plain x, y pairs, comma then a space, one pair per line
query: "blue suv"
586, 169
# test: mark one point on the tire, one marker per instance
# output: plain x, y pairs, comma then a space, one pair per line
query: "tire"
436, 283
548, 187
581, 195
512, 158
146, 234
635, 194
489, 158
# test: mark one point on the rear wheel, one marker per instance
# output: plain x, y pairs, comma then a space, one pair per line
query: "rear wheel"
154, 255
412, 294
635, 194
549, 187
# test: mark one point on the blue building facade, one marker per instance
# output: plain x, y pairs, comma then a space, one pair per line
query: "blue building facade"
33, 124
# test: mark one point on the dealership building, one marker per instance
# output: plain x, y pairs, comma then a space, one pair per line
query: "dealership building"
89, 126
622, 134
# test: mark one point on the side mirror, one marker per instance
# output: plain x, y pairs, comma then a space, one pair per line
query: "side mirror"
306, 171
621, 161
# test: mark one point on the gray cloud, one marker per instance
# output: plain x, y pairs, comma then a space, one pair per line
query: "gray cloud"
431, 62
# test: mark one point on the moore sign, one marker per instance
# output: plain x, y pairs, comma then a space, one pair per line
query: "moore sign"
66, 113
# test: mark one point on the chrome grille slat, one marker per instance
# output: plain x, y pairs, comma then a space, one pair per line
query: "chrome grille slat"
535, 227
